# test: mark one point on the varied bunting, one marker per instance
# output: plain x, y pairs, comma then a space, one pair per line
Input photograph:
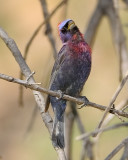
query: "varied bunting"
70, 72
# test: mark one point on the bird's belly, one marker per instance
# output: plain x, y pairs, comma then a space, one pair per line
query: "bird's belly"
71, 78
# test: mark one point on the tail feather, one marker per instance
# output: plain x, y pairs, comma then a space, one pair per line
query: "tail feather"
58, 133
58, 125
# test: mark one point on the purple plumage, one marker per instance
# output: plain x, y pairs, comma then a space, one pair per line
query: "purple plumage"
70, 72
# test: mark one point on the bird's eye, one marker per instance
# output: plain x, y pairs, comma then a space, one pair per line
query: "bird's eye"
63, 30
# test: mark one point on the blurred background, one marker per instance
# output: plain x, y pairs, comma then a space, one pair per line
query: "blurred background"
20, 19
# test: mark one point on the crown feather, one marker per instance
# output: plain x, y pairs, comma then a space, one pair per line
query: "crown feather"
62, 24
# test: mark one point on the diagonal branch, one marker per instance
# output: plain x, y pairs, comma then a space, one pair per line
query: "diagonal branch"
31, 40
37, 95
107, 8
111, 116
121, 85
69, 121
118, 36
87, 145
32, 85
41, 25
86, 135
125, 153
93, 24
117, 149
48, 31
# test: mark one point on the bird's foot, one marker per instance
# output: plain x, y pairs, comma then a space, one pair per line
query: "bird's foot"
60, 94
86, 101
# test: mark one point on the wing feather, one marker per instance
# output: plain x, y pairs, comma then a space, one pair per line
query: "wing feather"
59, 61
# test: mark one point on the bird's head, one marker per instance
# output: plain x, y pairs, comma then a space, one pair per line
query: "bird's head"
67, 29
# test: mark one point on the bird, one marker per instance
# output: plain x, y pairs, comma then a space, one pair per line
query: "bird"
69, 74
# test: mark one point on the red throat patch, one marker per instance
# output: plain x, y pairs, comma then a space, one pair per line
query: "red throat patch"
78, 44
80, 47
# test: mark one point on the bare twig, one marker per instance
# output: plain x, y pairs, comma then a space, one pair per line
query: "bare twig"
71, 115
110, 117
107, 8
87, 150
41, 25
24, 69
87, 145
31, 40
37, 95
118, 36
48, 31
93, 24
113, 100
126, 107
57, 94
102, 130
125, 153
117, 149
69, 121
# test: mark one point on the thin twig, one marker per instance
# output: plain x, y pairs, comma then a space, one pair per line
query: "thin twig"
126, 107
125, 153
69, 121
118, 36
87, 145
102, 130
117, 149
31, 40
107, 8
110, 117
79, 101
41, 25
93, 25
48, 31
37, 95
113, 100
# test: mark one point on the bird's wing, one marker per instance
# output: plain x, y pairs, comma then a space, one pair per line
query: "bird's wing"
59, 61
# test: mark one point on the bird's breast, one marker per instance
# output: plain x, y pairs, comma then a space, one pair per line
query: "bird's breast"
79, 47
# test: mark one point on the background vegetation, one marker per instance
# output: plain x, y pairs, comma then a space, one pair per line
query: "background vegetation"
20, 19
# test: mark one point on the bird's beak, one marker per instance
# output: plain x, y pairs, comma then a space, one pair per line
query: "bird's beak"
71, 25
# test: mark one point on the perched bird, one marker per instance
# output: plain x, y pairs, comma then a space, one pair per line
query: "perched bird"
70, 72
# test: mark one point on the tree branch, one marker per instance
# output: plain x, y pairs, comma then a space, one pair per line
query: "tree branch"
117, 149
37, 95
125, 124
93, 24
87, 145
113, 100
69, 121
33, 37
111, 116
118, 36
32, 85
41, 25
48, 31
125, 154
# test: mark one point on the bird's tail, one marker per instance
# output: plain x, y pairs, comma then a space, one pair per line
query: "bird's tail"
58, 132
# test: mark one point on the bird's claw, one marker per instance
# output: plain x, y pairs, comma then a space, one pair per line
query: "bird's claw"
60, 94
86, 101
